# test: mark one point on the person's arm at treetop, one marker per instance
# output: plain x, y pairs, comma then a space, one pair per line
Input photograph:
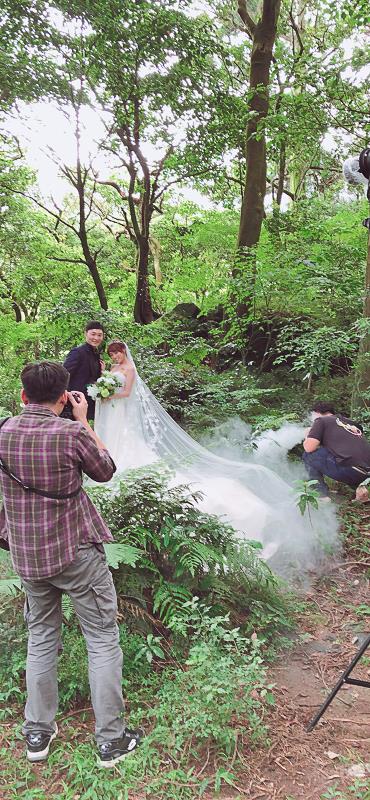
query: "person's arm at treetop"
72, 361
363, 491
313, 439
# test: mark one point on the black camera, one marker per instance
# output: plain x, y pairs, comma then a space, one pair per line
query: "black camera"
364, 162
67, 412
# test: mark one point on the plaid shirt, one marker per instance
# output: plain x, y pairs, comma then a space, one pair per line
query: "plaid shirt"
49, 453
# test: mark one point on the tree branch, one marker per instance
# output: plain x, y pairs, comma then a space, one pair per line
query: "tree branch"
298, 35
41, 205
67, 260
246, 18
124, 195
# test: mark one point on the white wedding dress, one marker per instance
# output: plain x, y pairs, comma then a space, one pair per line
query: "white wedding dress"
254, 500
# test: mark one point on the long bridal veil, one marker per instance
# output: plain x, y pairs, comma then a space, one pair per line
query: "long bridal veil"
257, 502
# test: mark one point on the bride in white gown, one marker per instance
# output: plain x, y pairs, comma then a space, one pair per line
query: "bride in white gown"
256, 501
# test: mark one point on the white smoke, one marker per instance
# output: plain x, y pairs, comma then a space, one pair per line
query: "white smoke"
234, 440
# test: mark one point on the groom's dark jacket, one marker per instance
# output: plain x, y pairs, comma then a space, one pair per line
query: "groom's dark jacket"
83, 365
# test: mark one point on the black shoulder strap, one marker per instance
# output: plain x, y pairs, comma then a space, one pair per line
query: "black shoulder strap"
33, 489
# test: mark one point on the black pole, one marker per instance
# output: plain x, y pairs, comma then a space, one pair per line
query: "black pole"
343, 679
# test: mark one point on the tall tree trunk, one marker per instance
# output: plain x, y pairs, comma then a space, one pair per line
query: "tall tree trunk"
297, 167
90, 260
143, 311
155, 249
94, 272
263, 35
17, 311
362, 372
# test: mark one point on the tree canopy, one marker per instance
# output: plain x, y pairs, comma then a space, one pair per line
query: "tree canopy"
201, 176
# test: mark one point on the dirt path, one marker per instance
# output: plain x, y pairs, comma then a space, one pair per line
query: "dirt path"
334, 760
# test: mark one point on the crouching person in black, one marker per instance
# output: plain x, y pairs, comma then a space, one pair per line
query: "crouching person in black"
335, 447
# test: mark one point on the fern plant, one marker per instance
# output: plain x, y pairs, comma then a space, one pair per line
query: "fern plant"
181, 552
169, 600
167, 551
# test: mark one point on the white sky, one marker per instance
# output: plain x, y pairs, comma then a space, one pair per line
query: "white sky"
42, 125
42, 128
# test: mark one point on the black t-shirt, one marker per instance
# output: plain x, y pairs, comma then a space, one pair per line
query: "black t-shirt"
344, 440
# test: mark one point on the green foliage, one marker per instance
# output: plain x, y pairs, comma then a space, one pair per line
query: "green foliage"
181, 552
211, 699
10, 585
150, 648
176, 80
67, 607
359, 790
13, 648
308, 496
211, 703
313, 351
175, 569
363, 610
307, 303
73, 679
118, 553
353, 529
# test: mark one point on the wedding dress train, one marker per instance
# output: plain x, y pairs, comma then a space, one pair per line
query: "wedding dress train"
253, 499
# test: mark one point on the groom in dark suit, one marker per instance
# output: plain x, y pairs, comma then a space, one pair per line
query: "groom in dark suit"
84, 364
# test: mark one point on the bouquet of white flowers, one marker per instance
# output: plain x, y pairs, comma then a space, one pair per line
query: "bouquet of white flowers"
105, 386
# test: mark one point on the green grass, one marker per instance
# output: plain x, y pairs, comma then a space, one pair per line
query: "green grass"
359, 790
194, 713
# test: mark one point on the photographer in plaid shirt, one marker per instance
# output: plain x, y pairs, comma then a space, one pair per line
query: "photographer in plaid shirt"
55, 536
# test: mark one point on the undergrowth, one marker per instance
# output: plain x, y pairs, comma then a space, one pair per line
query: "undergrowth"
169, 551
200, 716
355, 530
198, 611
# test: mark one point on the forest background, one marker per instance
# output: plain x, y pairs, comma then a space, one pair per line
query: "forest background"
171, 101
201, 214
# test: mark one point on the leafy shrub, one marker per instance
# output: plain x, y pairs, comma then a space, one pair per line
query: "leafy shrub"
312, 351
13, 649
166, 553
73, 680
224, 666
203, 710
198, 717
181, 552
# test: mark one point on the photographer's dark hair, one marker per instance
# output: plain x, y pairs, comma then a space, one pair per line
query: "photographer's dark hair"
44, 381
321, 407
94, 325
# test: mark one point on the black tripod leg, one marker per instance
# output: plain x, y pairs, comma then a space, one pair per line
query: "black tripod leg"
338, 685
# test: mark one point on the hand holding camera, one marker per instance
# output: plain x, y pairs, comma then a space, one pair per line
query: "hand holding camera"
78, 405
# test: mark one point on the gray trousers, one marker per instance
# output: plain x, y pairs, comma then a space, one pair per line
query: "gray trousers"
89, 584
